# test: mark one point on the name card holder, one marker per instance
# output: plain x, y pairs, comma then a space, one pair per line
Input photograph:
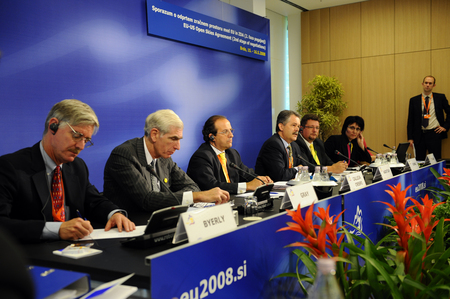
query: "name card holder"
430, 160
200, 224
382, 173
302, 194
411, 164
353, 181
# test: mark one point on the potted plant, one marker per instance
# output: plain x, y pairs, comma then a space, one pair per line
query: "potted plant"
410, 262
325, 100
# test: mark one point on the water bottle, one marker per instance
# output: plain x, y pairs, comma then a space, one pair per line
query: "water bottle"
304, 175
393, 150
324, 174
325, 285
394, 159
316, 176
378, 159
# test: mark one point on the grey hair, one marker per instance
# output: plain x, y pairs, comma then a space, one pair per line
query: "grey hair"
73, 112
162, 120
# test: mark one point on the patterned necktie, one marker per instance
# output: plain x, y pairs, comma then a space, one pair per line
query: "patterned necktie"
223, 162
57, 191
314, 154
155, 185
291, 159
424, 112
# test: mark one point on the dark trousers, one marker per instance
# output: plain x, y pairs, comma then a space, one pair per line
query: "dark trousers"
431, 141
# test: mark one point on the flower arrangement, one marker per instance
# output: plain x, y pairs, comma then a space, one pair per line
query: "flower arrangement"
411, 261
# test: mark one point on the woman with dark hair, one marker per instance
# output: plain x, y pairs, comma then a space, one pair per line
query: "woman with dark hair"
350, 143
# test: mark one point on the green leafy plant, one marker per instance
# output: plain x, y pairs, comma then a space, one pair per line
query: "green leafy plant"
324, 99
410, 262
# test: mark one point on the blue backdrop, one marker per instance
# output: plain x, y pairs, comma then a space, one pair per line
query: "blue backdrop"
99, 52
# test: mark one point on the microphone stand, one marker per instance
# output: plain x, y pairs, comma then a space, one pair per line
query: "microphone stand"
246, 172
153, 172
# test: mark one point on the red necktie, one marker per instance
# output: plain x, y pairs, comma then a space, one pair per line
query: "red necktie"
58, 196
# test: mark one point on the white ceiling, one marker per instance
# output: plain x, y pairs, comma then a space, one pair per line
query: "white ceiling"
287, 7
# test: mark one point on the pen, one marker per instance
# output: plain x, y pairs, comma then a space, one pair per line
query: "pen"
79, 215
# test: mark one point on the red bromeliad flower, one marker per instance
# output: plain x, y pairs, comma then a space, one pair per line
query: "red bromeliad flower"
425, 220
446, 176
315, 235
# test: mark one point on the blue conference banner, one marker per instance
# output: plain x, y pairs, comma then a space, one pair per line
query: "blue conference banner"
180, 24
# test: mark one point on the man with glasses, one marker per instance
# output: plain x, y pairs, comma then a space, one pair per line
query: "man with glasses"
45, 189
313, 147
134, 168
210, 166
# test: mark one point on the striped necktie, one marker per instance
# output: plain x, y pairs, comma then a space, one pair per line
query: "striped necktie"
57, 191
291, 159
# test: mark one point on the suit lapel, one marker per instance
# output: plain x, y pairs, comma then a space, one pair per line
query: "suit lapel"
140, 152
40, 179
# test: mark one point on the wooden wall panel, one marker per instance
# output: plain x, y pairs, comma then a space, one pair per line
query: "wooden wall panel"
348, 72
440, 61
345, 31
378, 106
317, 38
309, 71
440, 24
412, 25
377, 21
410, 69
305, 32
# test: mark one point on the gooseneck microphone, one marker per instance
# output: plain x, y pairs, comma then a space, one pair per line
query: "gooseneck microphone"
307, 162
388, 146
153, 172
246, 172
361, 167
372, 150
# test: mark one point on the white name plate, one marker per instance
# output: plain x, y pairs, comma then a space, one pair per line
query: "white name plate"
384, 172
431, 159
302, 194
201, 224
413, 164
355, 181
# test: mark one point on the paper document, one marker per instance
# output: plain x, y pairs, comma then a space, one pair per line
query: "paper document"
112, 290
114, 233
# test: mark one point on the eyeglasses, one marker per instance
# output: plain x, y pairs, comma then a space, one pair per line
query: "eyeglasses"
77, 136
312, 128
226, 132
355, 129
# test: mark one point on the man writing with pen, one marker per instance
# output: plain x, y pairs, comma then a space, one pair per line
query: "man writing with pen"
216, 164
45, 191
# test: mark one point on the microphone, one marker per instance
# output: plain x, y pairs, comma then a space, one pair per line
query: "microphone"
153, 172
371, 150
361, 167
307, 162
388, 146
246, 172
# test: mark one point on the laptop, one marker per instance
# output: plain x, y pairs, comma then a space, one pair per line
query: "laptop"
401, 151
160, 228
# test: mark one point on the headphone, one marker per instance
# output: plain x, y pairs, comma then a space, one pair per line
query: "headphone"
54, 127
211, 138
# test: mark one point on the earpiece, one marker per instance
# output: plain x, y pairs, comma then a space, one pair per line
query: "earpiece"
211, 137
54, 127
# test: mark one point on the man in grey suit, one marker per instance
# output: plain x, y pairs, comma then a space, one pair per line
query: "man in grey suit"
128, 180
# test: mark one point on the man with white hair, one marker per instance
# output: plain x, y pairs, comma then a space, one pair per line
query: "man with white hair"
128, 178
45, 191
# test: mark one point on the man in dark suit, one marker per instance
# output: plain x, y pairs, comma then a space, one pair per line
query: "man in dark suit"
427, 125
205, 166
279, 155
128, 178
44, 188
314, 148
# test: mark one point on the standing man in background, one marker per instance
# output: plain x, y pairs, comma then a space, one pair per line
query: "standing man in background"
279, 155
210, 167
427, 124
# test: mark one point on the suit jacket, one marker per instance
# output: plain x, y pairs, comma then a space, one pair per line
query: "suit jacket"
273, 159
25, 201
205, 169
340, 142
414, 126
127, 181
319, 147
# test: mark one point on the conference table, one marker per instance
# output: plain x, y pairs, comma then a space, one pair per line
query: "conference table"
242, 262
